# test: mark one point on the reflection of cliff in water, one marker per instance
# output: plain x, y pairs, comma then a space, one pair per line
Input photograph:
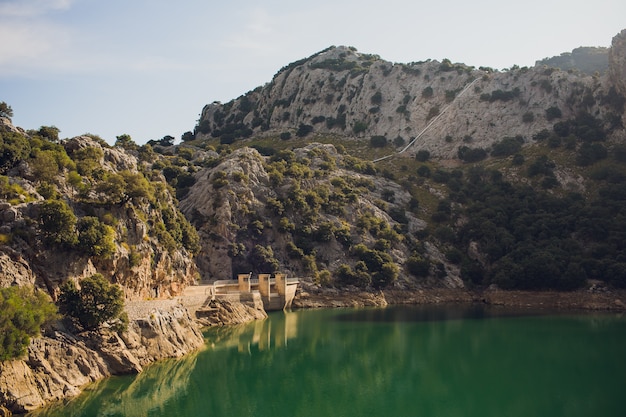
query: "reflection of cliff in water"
132, 396
273, 332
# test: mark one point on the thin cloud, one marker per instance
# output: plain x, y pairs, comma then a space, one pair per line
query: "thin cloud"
32, 8
256, 35
31, 47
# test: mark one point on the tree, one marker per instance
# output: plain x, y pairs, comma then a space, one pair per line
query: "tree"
378, 141
14, 148
304, 130
427, 92
50, 132
5, 110
95, 238
24, 311
126, 142
422, 155
359, 127
262, 259
377, 98
44, 165
122, 187
187, 136
58, 223
418, 266
167, 140
96, 302
553, 113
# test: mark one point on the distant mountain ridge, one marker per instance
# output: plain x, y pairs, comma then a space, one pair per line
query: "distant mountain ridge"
587, 59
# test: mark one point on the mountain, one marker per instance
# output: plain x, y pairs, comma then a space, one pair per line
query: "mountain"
342, 92
354, 170
354, 174
588, 60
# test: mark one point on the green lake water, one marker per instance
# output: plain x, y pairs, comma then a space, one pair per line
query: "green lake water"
400, 361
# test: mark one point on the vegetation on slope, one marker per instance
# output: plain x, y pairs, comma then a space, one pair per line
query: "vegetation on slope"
24, 311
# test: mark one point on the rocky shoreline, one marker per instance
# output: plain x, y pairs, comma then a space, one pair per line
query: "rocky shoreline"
590, 299
59, 364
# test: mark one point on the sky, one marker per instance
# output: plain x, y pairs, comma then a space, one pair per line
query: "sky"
146, 68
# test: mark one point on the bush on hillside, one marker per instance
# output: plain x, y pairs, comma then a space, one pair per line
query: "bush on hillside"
24, 312
95, 303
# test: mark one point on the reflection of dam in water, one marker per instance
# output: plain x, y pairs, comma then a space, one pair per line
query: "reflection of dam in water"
271, 333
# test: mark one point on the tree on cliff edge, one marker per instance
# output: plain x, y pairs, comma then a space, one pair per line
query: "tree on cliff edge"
95, 303
5, 110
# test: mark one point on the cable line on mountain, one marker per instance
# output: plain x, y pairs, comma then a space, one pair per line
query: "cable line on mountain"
433, 121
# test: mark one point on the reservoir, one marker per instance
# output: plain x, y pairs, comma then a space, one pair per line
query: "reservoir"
400, 361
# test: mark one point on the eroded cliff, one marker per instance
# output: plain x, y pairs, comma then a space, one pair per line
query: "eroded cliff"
60, 364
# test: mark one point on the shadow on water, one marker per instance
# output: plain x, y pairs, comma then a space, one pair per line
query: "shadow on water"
433, 313
129, 396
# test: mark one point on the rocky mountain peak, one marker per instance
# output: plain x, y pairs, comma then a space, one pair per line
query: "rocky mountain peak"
439, 106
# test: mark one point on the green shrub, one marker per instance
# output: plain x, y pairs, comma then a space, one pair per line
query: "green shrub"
88, 161
434, 111
95, 303
14, 148
24, 312
49, 132
95, 238
507, 146
467, 154
378, 141
359, 127
303, 130
418, 266
57, 223
553, 113
422, 155
528, 117
12, 192
262, 259
359, 277
377, 98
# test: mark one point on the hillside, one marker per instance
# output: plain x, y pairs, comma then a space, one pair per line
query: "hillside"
77, 207
313, 174
342, 92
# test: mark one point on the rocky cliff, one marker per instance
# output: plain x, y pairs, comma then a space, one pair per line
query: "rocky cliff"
140, 256
73, 208
255, 214
617, 66
343, 92
60, 364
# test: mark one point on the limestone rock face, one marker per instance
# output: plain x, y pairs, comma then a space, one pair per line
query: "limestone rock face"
234, 203
140, 264
14, 269
58, 365
617, 64
341, 91
217, 208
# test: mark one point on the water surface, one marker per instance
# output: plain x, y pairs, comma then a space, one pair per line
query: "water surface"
400, 361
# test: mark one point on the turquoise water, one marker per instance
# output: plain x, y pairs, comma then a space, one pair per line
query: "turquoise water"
401, 361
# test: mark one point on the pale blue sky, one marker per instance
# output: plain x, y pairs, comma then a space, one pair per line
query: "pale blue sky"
147, 67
